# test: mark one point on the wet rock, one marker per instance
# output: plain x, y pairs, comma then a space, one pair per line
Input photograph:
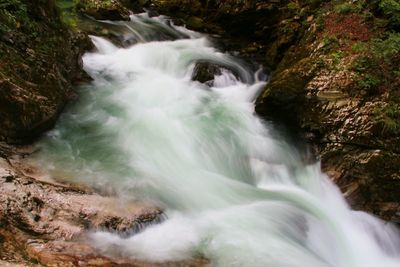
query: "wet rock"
195, 23
60, 253
205, 71
50, 220
106, 14
45, 223
26, 113
104, 10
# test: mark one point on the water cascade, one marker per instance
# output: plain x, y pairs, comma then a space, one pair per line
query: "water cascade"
232, 191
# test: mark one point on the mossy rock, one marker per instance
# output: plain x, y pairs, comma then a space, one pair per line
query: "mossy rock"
195, 23
289, 83
39, 61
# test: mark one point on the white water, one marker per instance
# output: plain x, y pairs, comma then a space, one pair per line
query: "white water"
232, 193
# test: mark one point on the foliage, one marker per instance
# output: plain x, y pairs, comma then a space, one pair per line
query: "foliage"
368, 82
344, 8
330, 43
378, 62
13, 13
389, 118
336, 57
388, 47
390, 7
292, 6
68, 13
359, 47
391, 11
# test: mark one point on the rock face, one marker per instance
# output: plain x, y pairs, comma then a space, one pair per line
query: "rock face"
44, 222
39, 61
326, 76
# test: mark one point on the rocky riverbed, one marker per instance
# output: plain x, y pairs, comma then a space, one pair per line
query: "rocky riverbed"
333, 66
45, 222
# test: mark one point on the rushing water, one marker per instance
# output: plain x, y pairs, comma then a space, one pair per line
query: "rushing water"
231, 191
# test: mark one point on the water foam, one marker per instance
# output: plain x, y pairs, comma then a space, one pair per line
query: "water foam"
231, 191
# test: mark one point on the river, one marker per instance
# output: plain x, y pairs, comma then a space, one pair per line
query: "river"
232, 190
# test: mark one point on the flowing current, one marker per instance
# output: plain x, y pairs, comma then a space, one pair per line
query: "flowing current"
232, 192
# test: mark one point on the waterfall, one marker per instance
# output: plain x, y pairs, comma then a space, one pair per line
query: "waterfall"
232, 191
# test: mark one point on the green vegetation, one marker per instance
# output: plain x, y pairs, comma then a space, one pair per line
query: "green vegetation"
70, 9
391, 10
389, 118
68, 12
359, 47
336, 57
330, 43
346, 7
378, 63
293, 6
369, 82
14, 15
387, 47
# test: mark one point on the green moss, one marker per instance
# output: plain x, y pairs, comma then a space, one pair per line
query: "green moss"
69, 9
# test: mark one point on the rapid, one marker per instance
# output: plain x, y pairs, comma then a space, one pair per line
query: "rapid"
232, 190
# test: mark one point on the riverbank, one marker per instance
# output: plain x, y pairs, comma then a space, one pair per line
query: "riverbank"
45, 222
42, 221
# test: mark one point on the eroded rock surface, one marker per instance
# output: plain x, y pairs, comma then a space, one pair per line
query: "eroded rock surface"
330, 80
46, 222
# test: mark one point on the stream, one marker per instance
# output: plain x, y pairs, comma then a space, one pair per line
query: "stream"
232, 190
